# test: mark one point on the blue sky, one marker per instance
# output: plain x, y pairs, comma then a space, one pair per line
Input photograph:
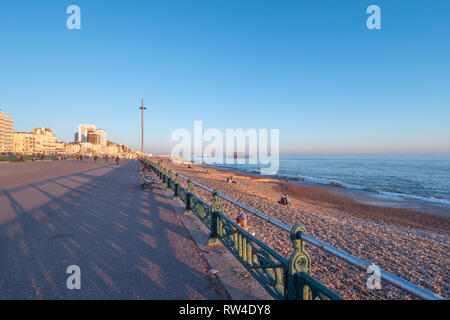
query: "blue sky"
309, 68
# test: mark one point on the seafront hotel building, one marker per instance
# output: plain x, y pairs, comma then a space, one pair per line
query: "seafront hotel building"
45, 140
24, 142
6, 132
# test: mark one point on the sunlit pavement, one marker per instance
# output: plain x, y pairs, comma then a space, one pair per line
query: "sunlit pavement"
128, 243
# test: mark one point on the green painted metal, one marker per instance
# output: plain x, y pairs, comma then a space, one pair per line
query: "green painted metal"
216, 211
182, 193
282, 278
300, 260
169, 180
176, 187
189, 199
308, 288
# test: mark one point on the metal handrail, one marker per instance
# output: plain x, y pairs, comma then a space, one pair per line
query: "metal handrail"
384, 275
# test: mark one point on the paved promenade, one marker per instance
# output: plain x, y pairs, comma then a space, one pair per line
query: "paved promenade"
129, 243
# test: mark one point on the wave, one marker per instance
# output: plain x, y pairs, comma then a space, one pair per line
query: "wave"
414, 197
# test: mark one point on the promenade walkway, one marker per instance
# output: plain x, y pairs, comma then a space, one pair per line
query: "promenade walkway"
129, 244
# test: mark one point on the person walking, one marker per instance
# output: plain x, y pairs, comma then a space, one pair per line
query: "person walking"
117, 160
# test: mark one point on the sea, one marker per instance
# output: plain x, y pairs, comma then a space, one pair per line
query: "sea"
417, 177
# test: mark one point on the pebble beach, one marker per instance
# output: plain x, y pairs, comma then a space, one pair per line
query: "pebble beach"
411, 244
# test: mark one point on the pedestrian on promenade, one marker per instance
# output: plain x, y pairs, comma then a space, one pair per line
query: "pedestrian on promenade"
95, 158
117, 160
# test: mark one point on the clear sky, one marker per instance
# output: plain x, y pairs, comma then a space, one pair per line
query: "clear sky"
309, 68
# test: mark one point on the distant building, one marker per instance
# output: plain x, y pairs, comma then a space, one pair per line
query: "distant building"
45, 140
98, 149
24, 142
112, 148
60, 147
86, 148
6, 133
82, 134
72, 148
102, 134
93, 137
98, 136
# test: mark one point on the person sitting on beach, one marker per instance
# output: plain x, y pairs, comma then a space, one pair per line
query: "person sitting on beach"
284, 200
241, 221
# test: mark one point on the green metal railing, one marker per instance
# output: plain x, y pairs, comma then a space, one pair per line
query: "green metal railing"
281, 278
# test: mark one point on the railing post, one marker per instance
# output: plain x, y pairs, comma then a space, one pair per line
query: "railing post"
164, 176
169, 179
189, 199
216, 211
160, 174
300, 261
177, 187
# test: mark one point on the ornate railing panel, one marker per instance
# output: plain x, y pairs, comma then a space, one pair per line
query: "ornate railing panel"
308, 288
267, 266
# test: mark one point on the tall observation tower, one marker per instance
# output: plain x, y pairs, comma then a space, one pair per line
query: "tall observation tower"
142, 138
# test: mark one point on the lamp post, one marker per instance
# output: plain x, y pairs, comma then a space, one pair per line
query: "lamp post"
142, 138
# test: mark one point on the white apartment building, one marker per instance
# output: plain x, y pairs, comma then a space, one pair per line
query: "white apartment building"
45, 140
83, 133
6, 133
72, 148
102, 134
24, 142
60, 147
86, 148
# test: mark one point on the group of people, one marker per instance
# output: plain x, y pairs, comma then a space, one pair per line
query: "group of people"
117, 158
